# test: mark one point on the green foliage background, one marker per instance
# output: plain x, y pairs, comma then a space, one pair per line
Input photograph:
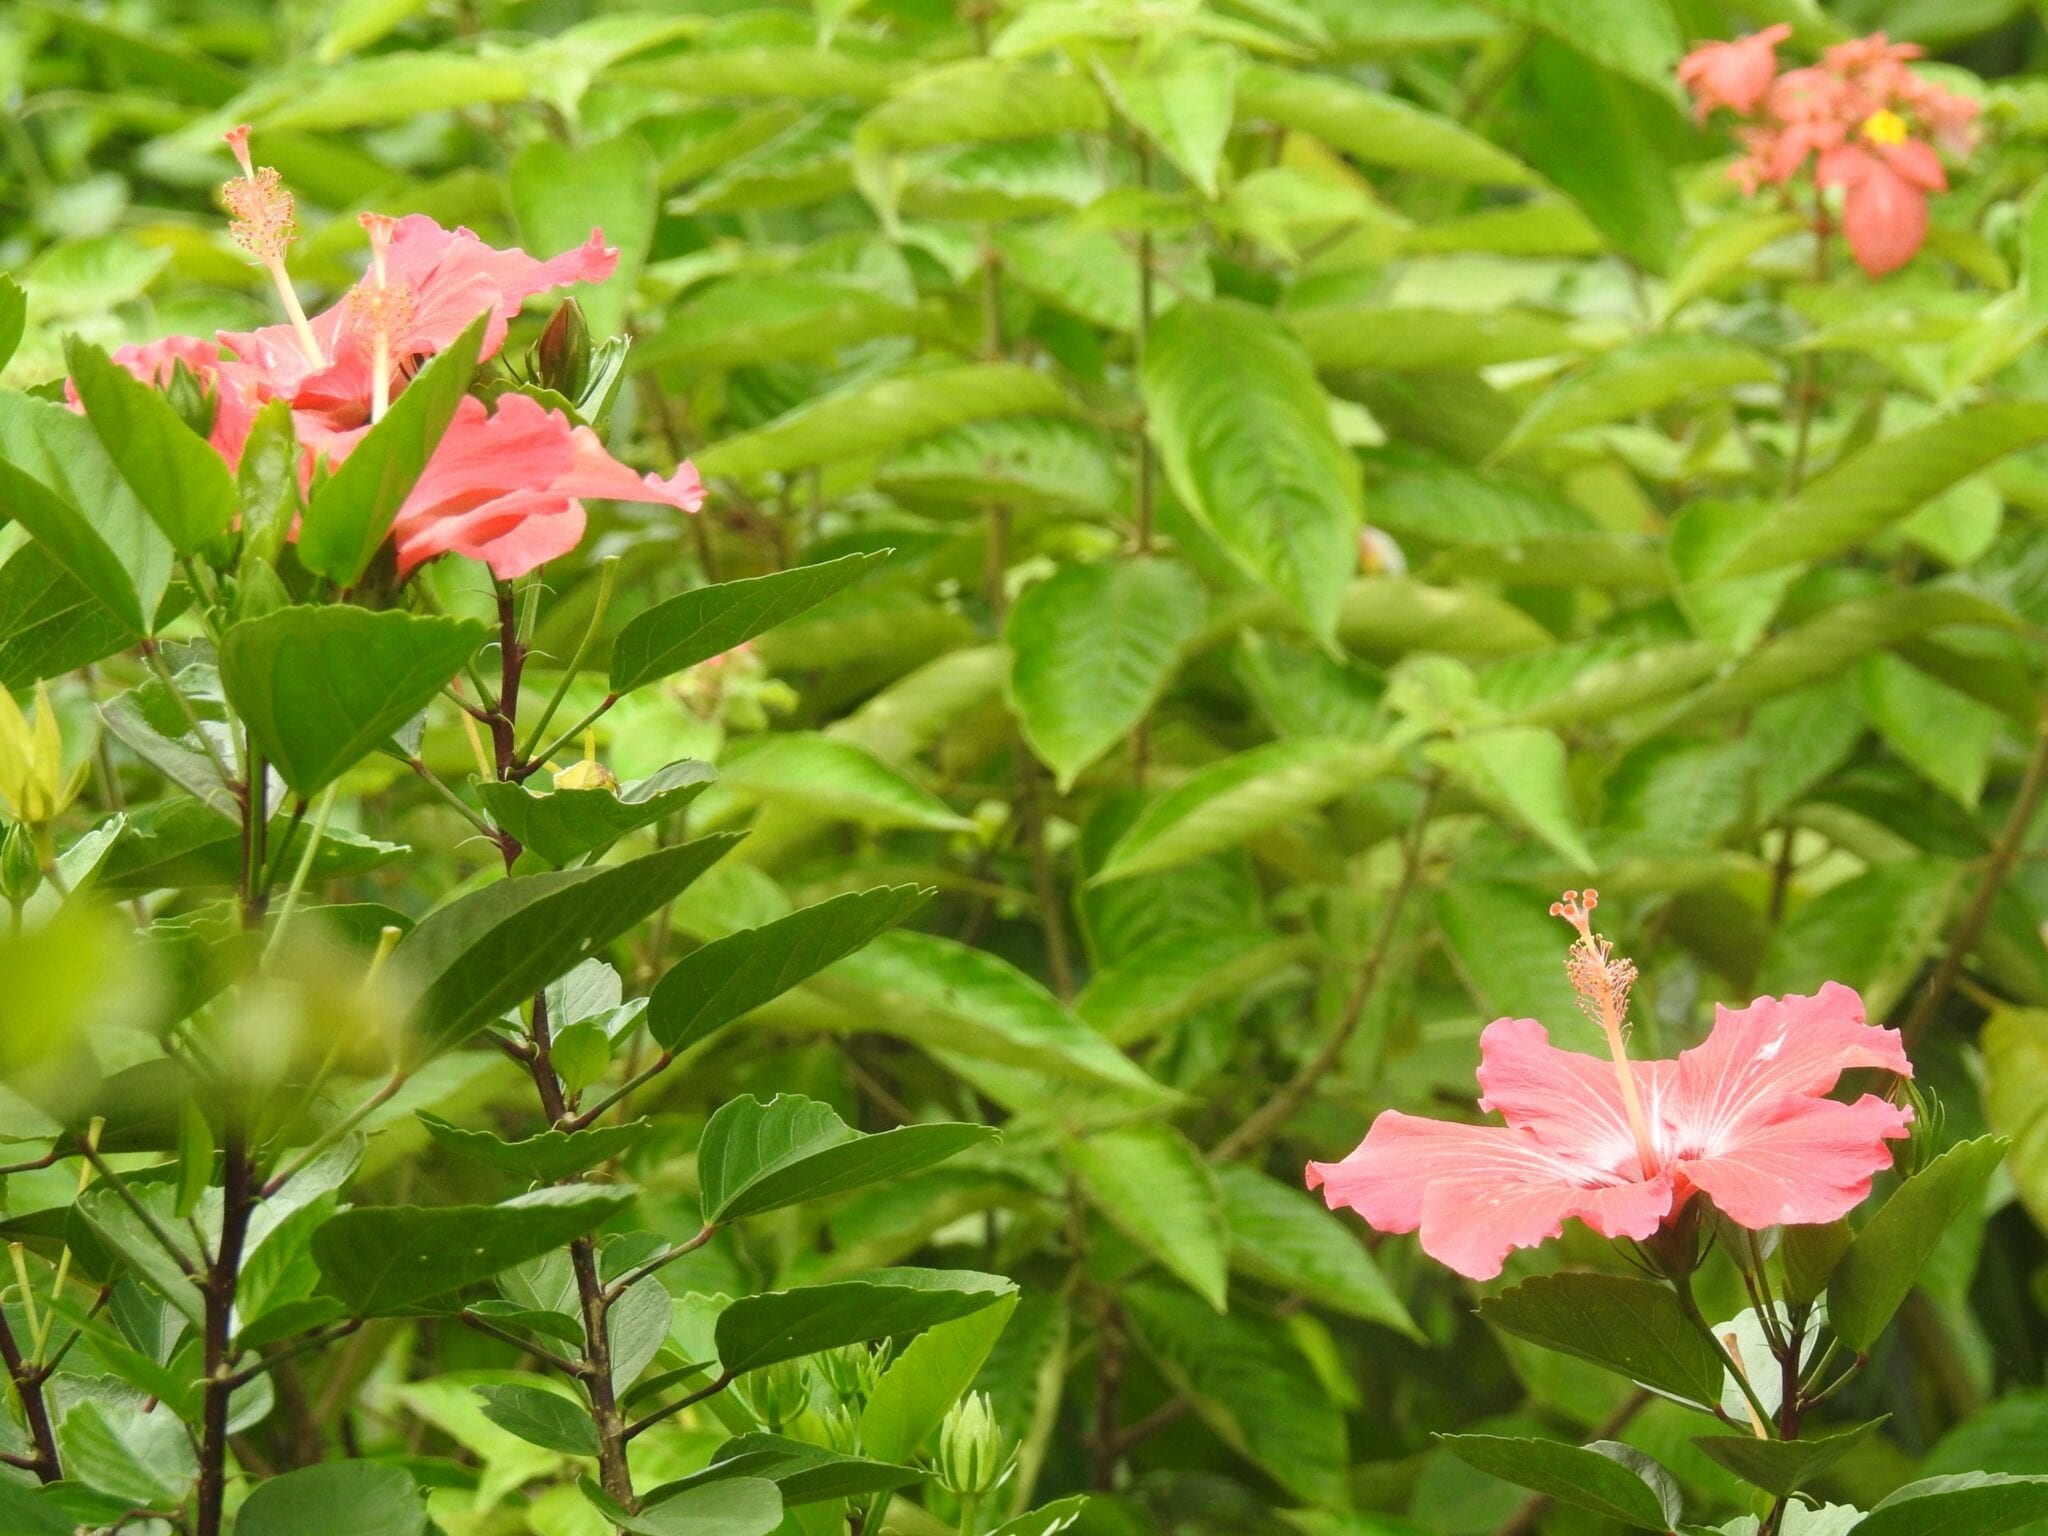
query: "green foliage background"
1696, 571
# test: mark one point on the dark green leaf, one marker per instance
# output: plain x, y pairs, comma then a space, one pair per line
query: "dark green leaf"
564, 824
385, 1258
1631, 1326
698, 625
50, 621
1153, 1186
350, 515
484, 953
320, 688
554, 1421
1876, 1274
1580, 1475
545, 1157
1782, 1466
729, 977
806, 1473
754, 1157
336, 1498
885, 1303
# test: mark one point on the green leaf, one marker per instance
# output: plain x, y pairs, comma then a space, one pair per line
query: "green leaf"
1884, 482
394, 87
1091, 649
945, 995
925, 1380
833, 779
336, 1498
13, 317
1810, 1254
1521, 772
705, 622
878, 414
27, 1512
1946, 736
383, 1259
351, 514
766, 318
1047, 1519
805, 1473
1966, 1504
1721, 249
1243, 429
1631, 1326
1871, 932
731, 1506
1876, 1274
1282, 1235
2015, 1045
1251, 1386
322, 687
1637, 38
1644, 376
356, 24
756, 1157
561, 192
1343, 338
1587, 1476
554, 1421
173, 471
1232, 801
730, 977
1156, 1189
546, 1157
484, 953
1782, 1466
1375, 127
71, 540
882, 1304
50, 622
1180, 96
564, 824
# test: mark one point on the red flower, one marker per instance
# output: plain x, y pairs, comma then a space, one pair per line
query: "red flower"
1884, 201
1742, 1118
1733, 75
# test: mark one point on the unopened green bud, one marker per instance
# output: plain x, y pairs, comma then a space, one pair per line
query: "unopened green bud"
775, 1394
852, 1370
21, 871
561, 359
195, 403
973, 1457
839, 1429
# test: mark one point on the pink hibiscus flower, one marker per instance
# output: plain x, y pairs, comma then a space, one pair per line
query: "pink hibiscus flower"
155, 362
1743, 1118
505, 488
1733, 75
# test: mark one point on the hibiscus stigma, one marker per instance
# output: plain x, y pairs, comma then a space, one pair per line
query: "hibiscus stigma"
260, 218
1602, 983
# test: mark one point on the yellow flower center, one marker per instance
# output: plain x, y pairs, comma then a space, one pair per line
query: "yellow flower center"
1885, 128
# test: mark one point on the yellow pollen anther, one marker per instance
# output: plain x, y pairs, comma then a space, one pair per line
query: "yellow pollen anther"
1885, 127
1602, 981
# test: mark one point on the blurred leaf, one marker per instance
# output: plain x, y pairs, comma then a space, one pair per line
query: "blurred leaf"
1871, 932
1375, 127
358, 23
1643, 376
1244, 431
2015, 1045
1283, 1236
1156, 1189
13, 317
835, 780
1351, 336
561, 194
1181, 97
1091, 649
1519, 771
391, 87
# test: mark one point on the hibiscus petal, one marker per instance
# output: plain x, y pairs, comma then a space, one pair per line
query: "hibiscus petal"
1567, 1099
1477, 1192
1810, 1161
1776, 1048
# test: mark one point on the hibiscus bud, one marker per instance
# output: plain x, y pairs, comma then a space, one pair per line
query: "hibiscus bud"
195, 403
852, 1370
972, 1457
778, 1393
561, 359
20, 869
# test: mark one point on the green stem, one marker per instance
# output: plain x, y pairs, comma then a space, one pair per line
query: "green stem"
607, 575
302, 873
537, 759
1682, 1286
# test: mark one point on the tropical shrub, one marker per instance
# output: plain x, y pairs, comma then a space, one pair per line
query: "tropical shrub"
737, 740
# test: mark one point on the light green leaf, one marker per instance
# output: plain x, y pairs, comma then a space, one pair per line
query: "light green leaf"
173, 471
351, 514
320, 688
382, 1259
1375, 127
1720, 250
731, 1506
752, 319
546, 1157
1945, 736
2015, 1045
552, 1420
925, 1380
1520, 771
1091, 649
885, 1303
560, 193
13, 317
1181, 97
1875, 1276
1637, 38
1156, 1189
564, 824
358, 23
485, 952
336, 1498
755, 1157
1644, 376
878, 414
1234, 800
832, 779
392, 87
1244, 431
1342, 337
70, 539
694, 626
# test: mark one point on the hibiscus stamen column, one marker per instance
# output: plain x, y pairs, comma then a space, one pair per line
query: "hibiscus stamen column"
1602, 983
385, 306
261, 222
